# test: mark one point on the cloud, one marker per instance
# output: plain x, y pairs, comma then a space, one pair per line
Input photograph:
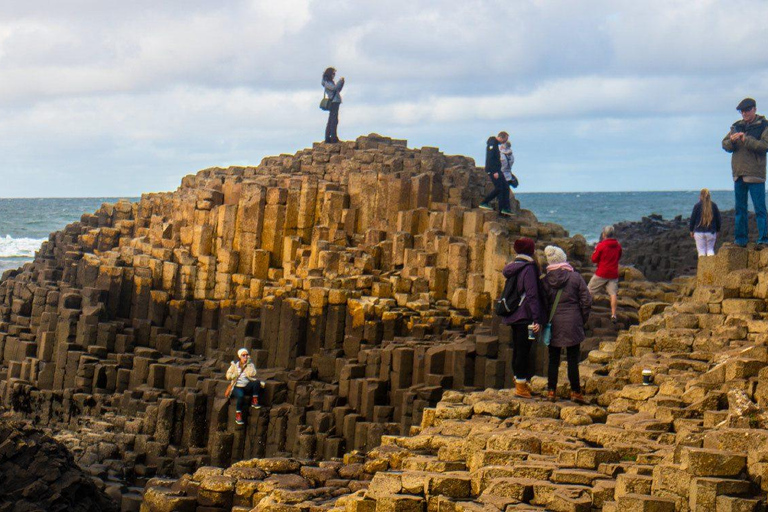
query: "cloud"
93, 91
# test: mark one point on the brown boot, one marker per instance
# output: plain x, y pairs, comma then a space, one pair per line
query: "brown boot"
522, 390
551, 395
578, 398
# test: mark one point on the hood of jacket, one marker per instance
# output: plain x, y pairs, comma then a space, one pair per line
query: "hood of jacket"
610, 242
514, 268
557, 278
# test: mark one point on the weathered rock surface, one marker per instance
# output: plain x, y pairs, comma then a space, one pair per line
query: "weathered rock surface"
359, 275
693, 440
38, 473
663, 249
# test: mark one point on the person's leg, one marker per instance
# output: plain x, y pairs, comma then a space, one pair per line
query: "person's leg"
757, 192
554, 368
741, 231
333, 120
596, 284
503, 187
612, 287
495, 192
701, 243
519, 341
242, 402
572, 355
614, 304
711, 240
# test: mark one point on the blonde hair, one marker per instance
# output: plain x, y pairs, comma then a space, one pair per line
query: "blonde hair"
706, 208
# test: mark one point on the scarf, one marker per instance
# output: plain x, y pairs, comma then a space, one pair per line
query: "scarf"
565, 266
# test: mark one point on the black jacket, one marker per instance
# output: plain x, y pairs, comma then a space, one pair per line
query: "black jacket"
492, 156
693, 224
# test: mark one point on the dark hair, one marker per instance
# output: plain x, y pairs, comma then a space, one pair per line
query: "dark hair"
328, 74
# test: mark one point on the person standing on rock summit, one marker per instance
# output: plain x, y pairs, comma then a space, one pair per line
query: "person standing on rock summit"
569, 306
606, 256
333, 91
529, 313
493, 170
748, 142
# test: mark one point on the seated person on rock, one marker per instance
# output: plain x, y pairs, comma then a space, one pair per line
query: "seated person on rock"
242, 373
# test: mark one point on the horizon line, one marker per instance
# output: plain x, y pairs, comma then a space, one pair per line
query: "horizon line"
514, 192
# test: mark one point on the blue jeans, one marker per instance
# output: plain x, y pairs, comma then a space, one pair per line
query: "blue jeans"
757, 192
244, 394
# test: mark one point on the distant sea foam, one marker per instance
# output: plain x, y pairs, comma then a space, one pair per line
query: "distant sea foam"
19, 247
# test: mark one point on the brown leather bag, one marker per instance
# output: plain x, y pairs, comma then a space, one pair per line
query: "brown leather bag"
231, 386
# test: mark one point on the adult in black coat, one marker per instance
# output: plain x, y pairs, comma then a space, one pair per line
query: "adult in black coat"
493, 170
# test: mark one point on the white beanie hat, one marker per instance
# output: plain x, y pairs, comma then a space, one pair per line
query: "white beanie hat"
242, 351
555, 255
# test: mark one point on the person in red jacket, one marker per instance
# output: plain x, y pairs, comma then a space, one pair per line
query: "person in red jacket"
606, 256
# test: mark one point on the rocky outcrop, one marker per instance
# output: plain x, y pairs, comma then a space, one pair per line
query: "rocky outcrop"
38, 473
663, 249
692, 439
359, 275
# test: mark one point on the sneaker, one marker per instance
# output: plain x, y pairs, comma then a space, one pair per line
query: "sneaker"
485, 206
255, 403
508, 213
578, 398
551, 395
614, 319
239, 418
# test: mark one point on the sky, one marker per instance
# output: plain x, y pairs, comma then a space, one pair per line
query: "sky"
115, 98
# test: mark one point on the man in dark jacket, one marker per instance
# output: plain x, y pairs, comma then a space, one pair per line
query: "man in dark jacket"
493, 170
748, 142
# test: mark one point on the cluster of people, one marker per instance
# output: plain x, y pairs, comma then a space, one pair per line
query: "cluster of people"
555, 305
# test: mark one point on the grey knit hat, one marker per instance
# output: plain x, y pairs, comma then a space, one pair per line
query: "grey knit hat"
555, 255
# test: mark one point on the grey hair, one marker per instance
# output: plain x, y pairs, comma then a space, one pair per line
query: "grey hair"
609, 232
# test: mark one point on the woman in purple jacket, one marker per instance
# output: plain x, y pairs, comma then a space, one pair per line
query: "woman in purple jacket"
530, 312
568, 321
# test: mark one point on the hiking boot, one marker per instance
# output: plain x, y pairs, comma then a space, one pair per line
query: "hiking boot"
255, 402
485, 206
239, 418
508, 213
551, 395
522, 390
578, 398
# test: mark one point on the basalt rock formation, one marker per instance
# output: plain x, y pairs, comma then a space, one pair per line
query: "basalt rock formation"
663, 249
694, 438
359, 275
38, 473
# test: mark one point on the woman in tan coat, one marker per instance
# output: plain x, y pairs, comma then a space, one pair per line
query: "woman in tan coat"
242, 377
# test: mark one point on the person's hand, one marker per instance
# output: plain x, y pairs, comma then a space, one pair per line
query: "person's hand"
495, 175
734, 137
535, 327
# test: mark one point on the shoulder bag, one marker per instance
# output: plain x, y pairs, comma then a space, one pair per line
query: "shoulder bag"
546, 332
325, 103
232, 384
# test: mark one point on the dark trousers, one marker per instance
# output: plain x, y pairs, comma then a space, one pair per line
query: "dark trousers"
333, 123
521, 352
244, 394
500, 191
572, 355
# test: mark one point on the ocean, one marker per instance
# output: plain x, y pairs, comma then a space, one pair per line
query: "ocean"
26, 223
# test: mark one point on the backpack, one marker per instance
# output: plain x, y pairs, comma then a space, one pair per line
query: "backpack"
511, 298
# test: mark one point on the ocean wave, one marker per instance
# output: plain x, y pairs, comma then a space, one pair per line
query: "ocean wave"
19, 247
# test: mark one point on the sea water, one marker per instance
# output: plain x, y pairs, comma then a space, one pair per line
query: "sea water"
26, 223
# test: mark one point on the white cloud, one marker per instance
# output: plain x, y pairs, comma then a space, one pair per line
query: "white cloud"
93, 89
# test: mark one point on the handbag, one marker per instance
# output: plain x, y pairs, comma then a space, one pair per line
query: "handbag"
546, 332
325, 103
231, 386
